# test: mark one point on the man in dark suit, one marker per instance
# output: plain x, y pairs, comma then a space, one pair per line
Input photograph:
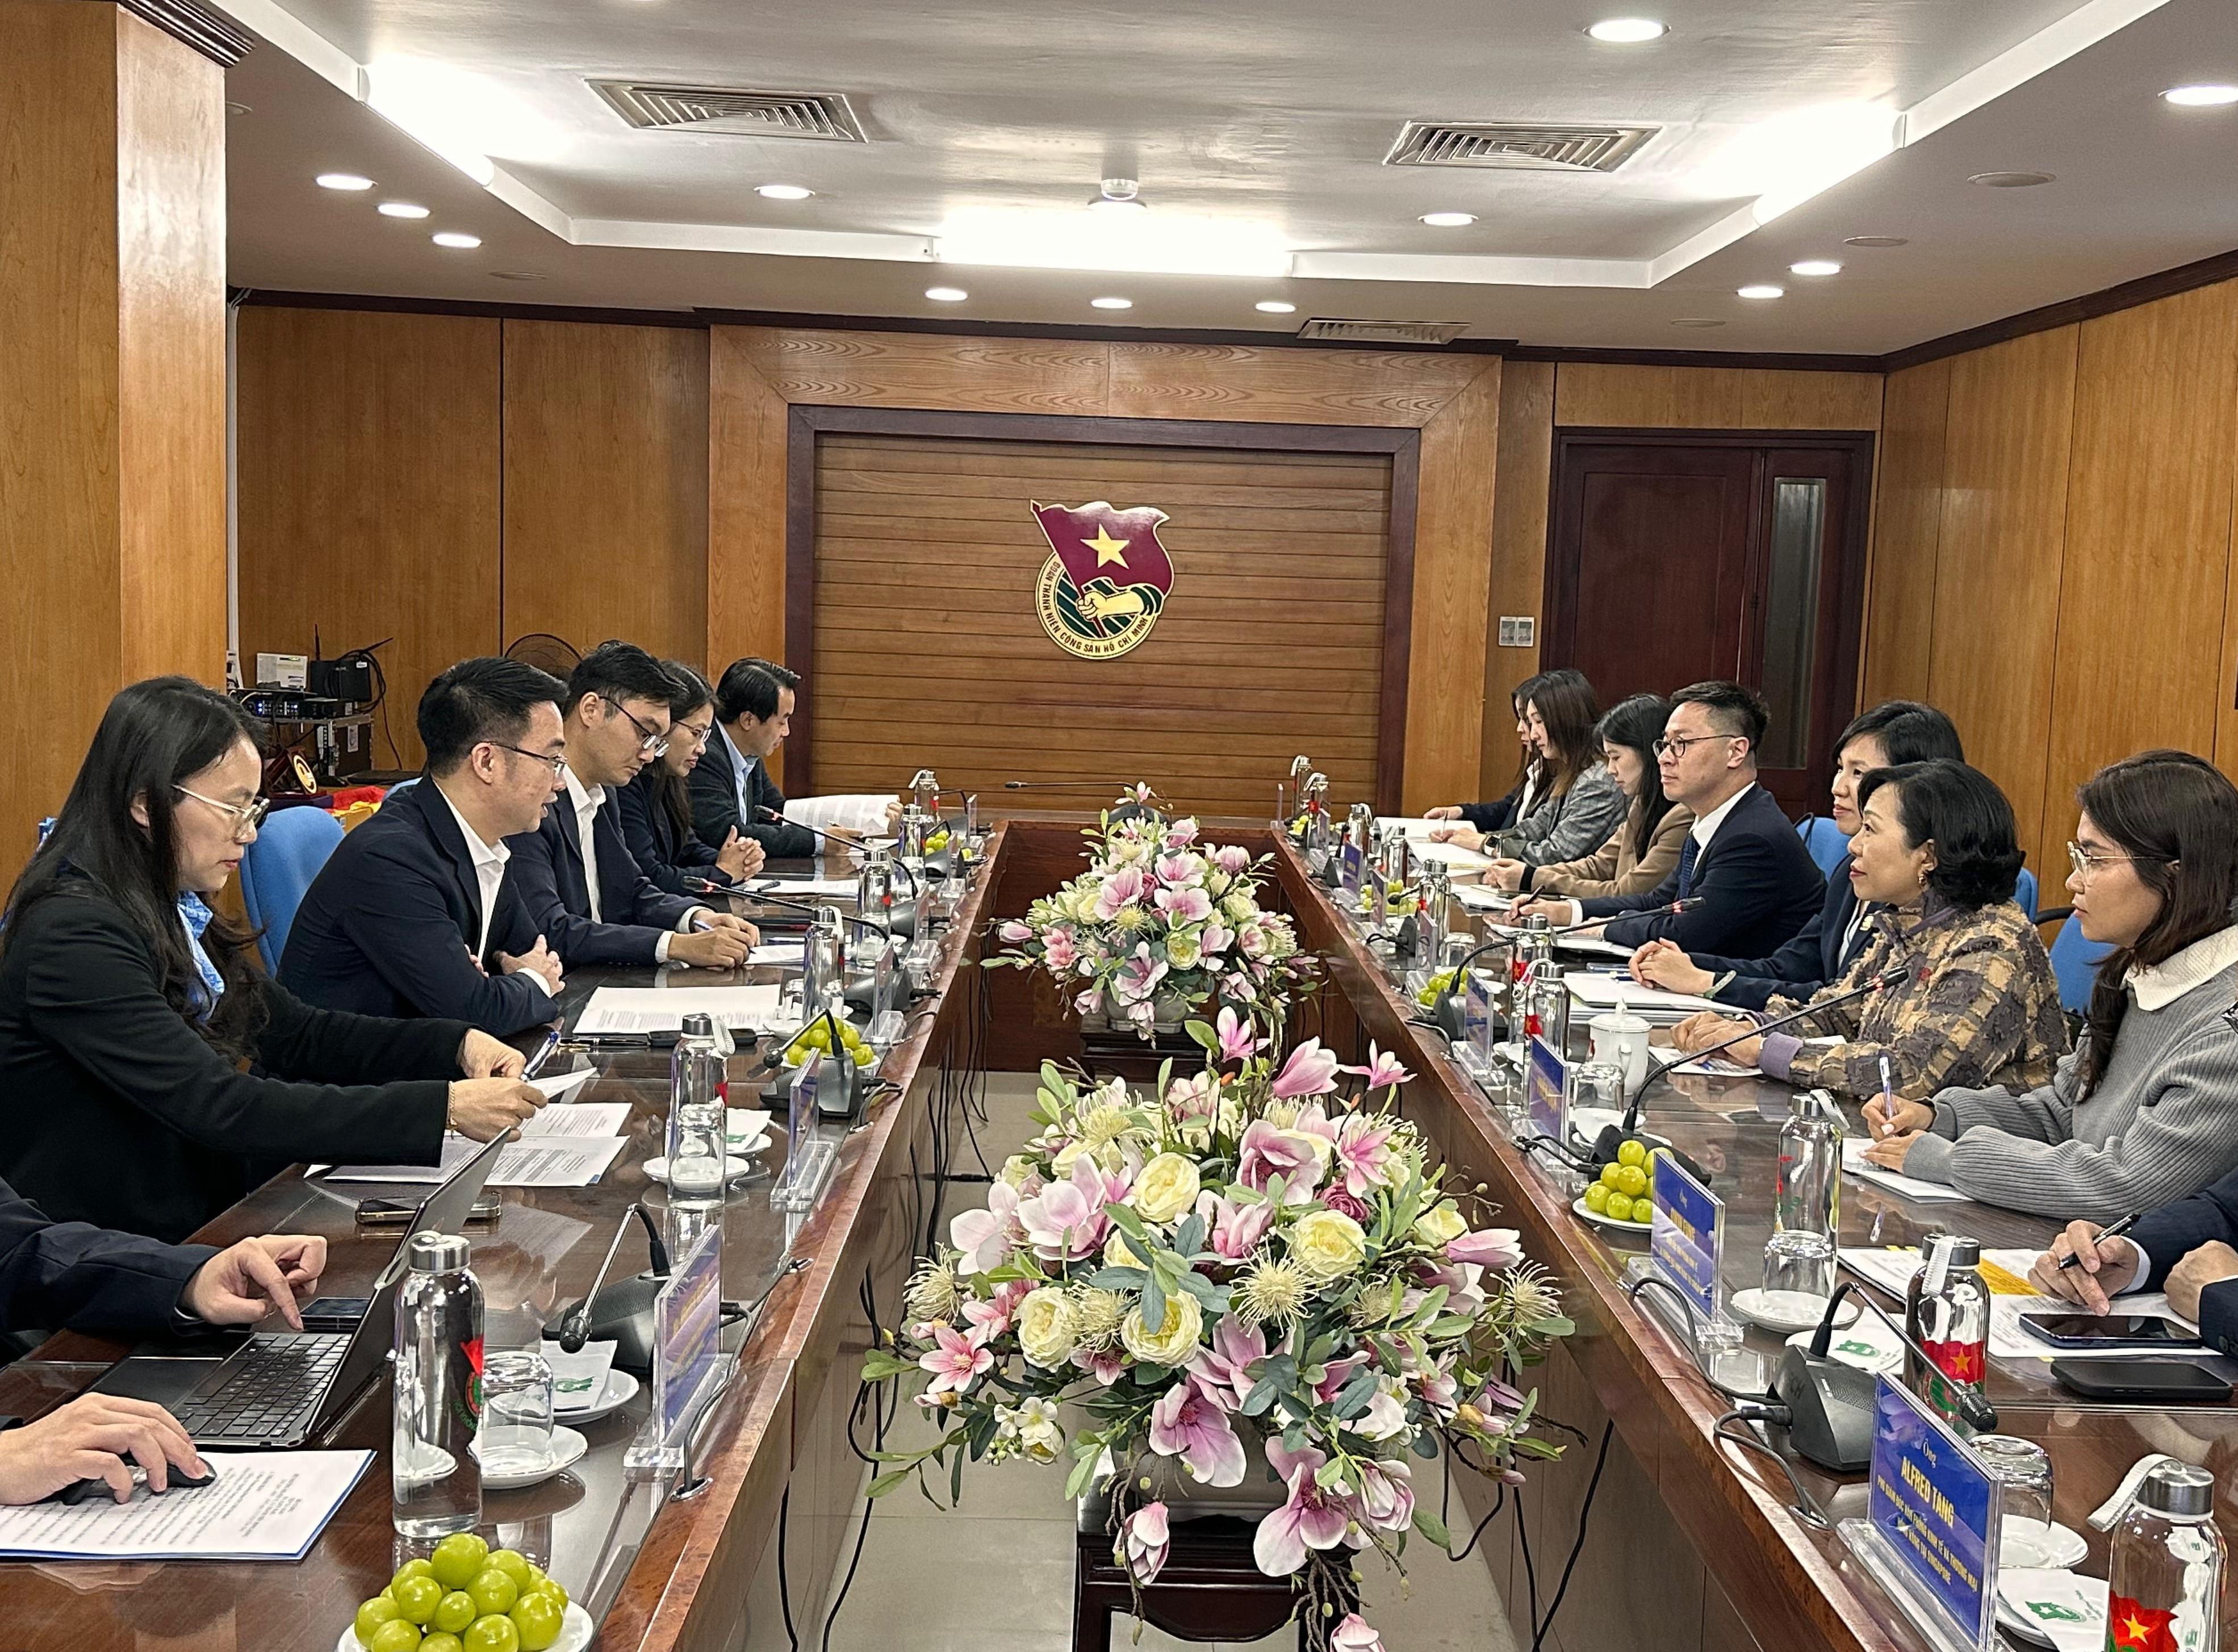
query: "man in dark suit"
415, 914
1894, 732
581, 885
731, 788
1757, 883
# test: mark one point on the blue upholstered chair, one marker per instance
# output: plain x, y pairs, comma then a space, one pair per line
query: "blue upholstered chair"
2024, 893
277, 869
1823, 839
2074, 961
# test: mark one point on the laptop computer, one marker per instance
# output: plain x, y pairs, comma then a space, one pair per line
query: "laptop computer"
280, 1389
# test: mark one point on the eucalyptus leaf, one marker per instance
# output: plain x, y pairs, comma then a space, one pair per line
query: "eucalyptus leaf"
1431, 1527
1189, 1238
1260, 1397
1154, 1304
1117, 1279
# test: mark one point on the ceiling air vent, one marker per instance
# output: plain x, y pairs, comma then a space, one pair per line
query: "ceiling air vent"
1385, 332
1517, 147
733, 108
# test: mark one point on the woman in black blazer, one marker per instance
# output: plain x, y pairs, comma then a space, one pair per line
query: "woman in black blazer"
149, 1075
656, 807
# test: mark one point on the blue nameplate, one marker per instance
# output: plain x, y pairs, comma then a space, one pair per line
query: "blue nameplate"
1476, 1009
687, 1332
1935, 1508
1547, 1093
1348, 860
1687, 1241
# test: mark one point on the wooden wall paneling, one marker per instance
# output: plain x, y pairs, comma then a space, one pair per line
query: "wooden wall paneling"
1696, 398
2148, 512
368, 472
1523, 478
746, 436
605, 485
1451, 585
911, 370
2003, 539
1907, 533
1403, 387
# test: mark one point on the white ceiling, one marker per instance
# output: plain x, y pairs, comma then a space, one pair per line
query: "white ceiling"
1277, 114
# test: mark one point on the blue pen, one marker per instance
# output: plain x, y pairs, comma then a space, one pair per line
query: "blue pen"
552, 1041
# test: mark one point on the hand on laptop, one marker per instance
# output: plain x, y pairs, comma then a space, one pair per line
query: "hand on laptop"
91, 1438
481, 1056
487, 1108
243, 1283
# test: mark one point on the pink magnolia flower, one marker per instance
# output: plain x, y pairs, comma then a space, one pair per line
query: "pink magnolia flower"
1236, 1043
1267, 1152
1355, 1634
1122, 888
1308, 1518
1104, 1366
1139, 977
1253, 939
1439, 1391
1193, 1098
1215, 938
1222, 1370
1184, 905
990, 1317
1498, 1398
1344, 1205
986, 1237
957, 1360
1058, 951
1179, 868
1145, 1541
1363, 1151
1017, 930
1339, 1372
1065, 1222
1382, 1071
1235, 1227
1487, 1248
1009, 1295
1181, 832
1385, 1497
1231, 859
1311, 1071
1186, 1424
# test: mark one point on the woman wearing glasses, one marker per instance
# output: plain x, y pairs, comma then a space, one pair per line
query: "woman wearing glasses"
1581, 803
151, 1076
656, 807
2146, 1110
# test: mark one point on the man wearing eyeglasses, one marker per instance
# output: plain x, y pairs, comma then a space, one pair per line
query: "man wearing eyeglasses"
583, 889
1742, 859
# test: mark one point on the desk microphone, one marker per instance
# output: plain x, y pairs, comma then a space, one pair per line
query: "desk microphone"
769, 813
1448, 1019
1973, 1405
622, 1313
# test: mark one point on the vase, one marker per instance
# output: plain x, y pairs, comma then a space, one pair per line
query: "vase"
1168, 1012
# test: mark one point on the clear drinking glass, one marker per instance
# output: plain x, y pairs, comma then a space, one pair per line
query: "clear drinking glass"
2023, 1471
1597, 1086
516, 1431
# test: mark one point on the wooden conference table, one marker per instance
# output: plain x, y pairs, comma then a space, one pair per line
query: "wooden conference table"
1691, 1544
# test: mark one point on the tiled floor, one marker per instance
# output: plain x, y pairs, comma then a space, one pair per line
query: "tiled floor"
996, 1573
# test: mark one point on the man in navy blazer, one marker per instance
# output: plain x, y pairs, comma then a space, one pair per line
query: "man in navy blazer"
1894, 732
1757, 883
416, 912
731, 788
582, 887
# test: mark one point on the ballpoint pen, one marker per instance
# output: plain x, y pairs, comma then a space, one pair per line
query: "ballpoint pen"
543, 1053
2112, 1230
1887, 1096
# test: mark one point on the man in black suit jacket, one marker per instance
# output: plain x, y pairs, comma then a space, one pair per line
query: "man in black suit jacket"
67, 1274
583, 889
1894, 732
416, 912
1757, 883
731, 788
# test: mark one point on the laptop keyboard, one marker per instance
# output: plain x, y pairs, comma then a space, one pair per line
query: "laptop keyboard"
270, 1390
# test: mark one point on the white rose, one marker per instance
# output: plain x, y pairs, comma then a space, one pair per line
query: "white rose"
1166, 1187
1049, 1326
1174, 1342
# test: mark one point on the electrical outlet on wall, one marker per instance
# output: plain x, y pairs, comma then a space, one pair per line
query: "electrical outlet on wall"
1517, 630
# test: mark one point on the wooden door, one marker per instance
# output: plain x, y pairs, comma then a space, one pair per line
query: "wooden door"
1676, 557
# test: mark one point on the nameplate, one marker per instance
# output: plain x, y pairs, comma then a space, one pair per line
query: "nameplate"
1687, 1238
1349, 861
1546, 1092
1930, 1531
687, 1335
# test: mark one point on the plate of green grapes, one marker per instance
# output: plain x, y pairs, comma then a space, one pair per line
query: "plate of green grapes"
1619, 1198
467, 1596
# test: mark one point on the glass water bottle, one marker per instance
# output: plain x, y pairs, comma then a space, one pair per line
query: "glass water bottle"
435, 1482
1947, 1311
2167, 1574
698, 1089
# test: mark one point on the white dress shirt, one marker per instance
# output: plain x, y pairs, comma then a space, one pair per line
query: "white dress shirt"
742, 769
587, 800
489, 860
1706, 826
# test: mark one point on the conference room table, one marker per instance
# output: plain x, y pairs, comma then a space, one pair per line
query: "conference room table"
1691, 1544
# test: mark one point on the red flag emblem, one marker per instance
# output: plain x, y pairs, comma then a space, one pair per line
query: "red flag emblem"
2139, 1628
1106, 580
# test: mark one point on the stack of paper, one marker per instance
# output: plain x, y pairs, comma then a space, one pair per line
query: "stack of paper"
662, 1009
1855, 1162
1597, 990
545, 1160
841, 811
270, 1505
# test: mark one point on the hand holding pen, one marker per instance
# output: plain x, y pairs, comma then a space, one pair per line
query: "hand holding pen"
2090, 1266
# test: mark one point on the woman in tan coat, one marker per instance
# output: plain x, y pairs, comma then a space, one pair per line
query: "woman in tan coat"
1643, 849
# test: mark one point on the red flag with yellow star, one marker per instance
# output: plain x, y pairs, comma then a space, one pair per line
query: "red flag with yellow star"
2139, 1628
1099, 541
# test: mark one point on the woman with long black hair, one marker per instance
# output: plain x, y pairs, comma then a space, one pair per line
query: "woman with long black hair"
656, 807
149, 1074
1580, 802
1643, 849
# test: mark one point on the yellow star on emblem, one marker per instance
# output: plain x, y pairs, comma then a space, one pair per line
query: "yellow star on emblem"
1107, 548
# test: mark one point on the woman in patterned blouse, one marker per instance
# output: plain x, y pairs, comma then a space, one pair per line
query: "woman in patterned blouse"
1978, 1006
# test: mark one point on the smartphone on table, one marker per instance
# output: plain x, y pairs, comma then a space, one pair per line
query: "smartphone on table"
2109, 1331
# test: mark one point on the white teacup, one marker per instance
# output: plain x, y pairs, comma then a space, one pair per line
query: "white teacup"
1620, 1039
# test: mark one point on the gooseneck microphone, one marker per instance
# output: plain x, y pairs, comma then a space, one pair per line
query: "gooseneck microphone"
1973, 1404
1448, 1020
746, 891
818, 831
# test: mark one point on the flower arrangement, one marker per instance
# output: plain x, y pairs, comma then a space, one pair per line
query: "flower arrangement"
1246, 1258
1159, 926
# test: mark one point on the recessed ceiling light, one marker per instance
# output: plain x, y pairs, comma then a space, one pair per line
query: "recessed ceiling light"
516, 275
1275, 307
1449, 219
1628, 32
455, 238
1118, 195
1876, 241
1697, 320
1112, 303
781, 192
2201, 97
239, 108
1815, 267
946, 294
1764, 289
402, 209
2011, 180
343, 181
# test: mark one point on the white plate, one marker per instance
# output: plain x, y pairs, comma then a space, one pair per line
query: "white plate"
1588, 1121
734, 1168
1599, 1220
2027, 1594
1786, 1311
574, 1633
2032, 1544
621, 1387
1869, 1345
567, 1449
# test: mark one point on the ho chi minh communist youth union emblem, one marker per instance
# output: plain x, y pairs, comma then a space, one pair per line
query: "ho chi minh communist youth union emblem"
1107, 578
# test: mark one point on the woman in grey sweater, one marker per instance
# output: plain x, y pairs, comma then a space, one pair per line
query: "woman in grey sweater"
1580, 802
2146, 1109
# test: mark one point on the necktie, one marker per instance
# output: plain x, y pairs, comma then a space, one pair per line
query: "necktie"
1689, 851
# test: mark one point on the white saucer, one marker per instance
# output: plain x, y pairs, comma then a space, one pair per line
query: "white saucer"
1588, 1123
1600, 1220
1868, 1344
621, 1387
2055, 1591
1786, 1311
2031, 1544
574, 1633
734, 1168
567, 1449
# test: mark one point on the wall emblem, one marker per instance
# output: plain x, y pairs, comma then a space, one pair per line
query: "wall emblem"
1107, 578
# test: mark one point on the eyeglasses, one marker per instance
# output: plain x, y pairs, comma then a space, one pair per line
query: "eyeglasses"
555, 764
246, 817
655, 743
684, 733
1682, 744
2085, 862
